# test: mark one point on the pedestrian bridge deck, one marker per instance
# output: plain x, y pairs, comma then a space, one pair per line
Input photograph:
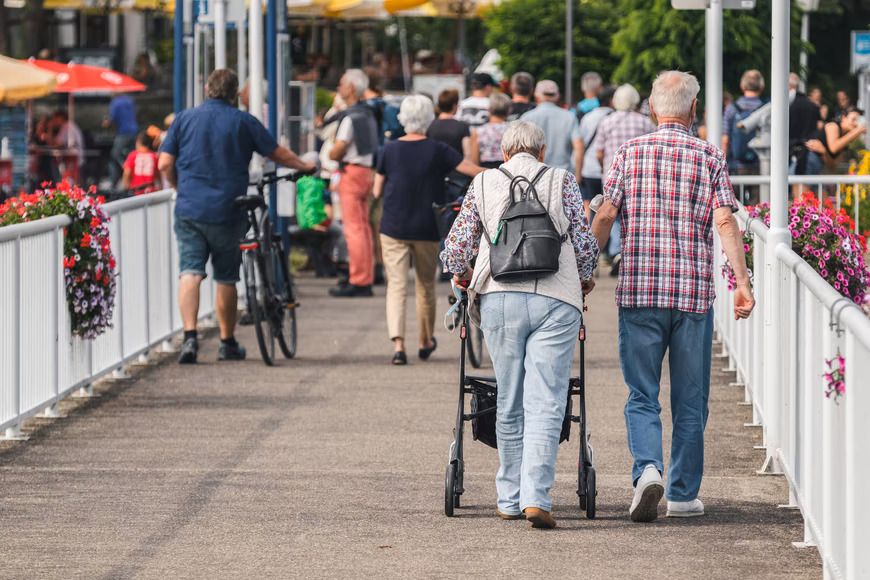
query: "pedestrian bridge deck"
332, 465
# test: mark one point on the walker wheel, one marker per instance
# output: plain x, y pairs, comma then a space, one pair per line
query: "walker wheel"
591, 492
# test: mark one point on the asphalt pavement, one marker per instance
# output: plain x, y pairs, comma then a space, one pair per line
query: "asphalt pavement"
332, 466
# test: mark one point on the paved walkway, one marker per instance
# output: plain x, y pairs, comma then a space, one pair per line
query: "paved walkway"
332, 466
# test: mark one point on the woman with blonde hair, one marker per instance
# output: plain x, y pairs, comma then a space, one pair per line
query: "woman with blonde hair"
410, 178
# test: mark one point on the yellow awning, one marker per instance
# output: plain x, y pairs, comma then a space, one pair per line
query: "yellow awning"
96, 5
438, 8
20, 81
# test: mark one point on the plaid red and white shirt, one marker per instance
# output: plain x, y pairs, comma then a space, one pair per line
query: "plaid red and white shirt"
666, 185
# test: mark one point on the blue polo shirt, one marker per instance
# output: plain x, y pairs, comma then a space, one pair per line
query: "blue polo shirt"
213, 145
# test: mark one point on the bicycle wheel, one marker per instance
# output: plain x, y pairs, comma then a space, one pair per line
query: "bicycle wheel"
285, 312
475, 346
256, 307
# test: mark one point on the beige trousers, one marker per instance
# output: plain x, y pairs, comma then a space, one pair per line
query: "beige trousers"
397, 262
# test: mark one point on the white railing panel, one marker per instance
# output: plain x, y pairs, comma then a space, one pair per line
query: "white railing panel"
158, 253
9, 341
39, 264
133, 281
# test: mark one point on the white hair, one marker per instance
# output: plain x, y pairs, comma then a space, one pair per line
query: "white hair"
523, 137
590, 81
416, 114
358, 79
626, 98
673, 93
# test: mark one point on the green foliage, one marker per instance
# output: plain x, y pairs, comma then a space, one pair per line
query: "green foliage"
530, 36
653, 37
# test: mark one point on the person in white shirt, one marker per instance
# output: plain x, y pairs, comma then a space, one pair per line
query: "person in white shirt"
474, 110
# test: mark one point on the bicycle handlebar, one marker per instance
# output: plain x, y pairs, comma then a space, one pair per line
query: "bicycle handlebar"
273, 177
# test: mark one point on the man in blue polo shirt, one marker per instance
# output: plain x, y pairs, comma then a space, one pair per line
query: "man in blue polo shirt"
122, 116
205, 156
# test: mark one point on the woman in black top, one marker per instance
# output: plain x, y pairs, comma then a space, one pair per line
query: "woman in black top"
837, 136
410, 177
446, 128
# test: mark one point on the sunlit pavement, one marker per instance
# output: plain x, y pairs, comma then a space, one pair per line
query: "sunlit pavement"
332, 465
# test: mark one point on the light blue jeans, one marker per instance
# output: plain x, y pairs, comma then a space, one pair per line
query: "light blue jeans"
531, 340
644, 336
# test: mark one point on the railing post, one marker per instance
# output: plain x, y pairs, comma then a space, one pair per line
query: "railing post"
51, 410
120, 373
778, 234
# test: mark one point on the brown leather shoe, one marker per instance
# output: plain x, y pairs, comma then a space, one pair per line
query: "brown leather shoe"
540, 518
505, 516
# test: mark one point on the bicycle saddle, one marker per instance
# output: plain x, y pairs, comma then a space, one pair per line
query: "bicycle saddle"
248, 202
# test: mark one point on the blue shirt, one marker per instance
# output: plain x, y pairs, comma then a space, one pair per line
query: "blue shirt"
122, 114
213, 145
561, 129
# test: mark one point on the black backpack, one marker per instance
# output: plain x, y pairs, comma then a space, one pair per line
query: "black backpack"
526, 245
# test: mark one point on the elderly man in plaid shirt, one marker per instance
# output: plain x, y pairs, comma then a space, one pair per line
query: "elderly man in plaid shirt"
669, 189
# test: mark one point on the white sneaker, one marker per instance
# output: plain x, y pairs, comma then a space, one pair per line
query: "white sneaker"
647, 495
685, 509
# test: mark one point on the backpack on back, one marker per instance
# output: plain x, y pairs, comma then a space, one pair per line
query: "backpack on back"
738, 140
526, 245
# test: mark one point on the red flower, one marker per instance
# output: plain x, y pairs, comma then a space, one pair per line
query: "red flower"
95, 222
86, 240
98, 275
112, 262
101, 200
68, 262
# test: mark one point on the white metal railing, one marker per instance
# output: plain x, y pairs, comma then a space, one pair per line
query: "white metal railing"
40, 362
823, 186
821, 446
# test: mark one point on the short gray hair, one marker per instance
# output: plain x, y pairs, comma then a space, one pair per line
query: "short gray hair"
499, 105
358, 79
673, 93
590, 81
626, 98
523, 137
416, 114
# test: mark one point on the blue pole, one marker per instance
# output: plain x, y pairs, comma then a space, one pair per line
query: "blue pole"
179, 57
272, 94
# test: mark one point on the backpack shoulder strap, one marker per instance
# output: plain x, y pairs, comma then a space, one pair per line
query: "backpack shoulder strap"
482, 211
540, 174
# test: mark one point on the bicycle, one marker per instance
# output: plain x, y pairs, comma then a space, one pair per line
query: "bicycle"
269, 289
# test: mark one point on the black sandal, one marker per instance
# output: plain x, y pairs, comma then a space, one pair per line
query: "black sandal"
425, 353
400, 358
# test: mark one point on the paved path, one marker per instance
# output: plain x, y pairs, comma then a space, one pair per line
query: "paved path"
332, 466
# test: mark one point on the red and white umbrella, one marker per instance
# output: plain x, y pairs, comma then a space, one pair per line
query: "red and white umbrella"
82, 78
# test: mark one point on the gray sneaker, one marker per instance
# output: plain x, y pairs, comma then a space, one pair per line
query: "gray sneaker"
231, 352
189, 350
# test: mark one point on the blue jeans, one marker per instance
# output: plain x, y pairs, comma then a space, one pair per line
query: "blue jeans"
531, 340
644, 336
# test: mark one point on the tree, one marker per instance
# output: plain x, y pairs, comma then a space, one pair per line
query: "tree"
530, 36
653, 37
